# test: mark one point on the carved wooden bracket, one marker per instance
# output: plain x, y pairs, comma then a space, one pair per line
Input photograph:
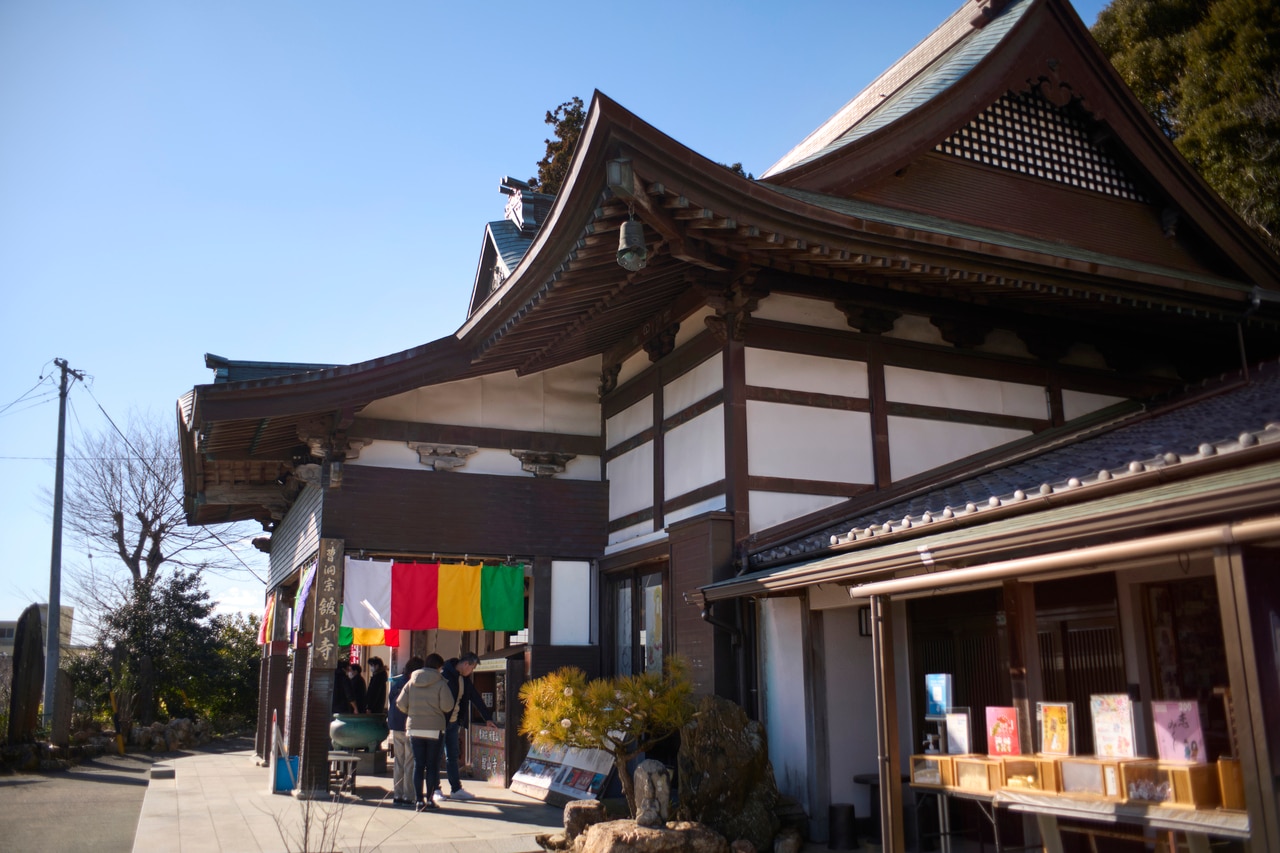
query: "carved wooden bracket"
442, 457
609, 378
661, 344
543, 463
733, 306
1045, 344
964, 334
869, 321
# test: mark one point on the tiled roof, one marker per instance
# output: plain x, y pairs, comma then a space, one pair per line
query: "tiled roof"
511, 242
1199, 425
231, 370
932, 67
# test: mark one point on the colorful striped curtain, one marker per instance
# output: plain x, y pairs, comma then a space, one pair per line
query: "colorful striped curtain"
383, 597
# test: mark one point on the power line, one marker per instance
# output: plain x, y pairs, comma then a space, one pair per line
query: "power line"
168, 487
41, 381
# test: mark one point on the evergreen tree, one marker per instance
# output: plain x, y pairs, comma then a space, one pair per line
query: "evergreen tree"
1209, 73
567, 120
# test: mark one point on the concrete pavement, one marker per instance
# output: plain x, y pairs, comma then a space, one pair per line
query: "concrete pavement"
221, 803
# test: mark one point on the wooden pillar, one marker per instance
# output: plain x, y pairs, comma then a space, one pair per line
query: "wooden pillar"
326, 599
1024, 657
1249, 663
887, 747
737, 491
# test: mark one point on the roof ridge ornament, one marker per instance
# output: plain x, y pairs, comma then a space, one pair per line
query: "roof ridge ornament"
988, 11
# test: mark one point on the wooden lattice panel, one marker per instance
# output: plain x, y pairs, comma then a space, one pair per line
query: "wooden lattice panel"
1025, 133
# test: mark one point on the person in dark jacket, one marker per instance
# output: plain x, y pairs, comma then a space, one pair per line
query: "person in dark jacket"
342, 691
376, 694
402, 786
357, 688
457, 673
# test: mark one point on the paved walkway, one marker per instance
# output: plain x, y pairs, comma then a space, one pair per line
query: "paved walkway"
221, 803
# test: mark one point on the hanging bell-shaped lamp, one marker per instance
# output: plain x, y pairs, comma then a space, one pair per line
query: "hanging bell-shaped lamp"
632, 253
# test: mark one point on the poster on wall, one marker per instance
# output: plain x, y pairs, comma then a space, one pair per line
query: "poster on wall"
1179, 736
937, 695
1057, 727
1112, 715
958, 732
562, 773
1002, 731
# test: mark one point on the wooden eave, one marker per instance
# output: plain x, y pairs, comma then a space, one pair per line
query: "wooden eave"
568, 299
1050, 44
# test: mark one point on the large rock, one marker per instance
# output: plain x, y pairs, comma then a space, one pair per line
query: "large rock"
726, 780
625, 836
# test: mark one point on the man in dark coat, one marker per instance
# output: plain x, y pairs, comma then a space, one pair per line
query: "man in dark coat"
357, 688
342, 691
376, 694
457, 673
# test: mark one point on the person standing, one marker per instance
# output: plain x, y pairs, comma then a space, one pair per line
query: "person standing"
342, 691
376, 693
457, 673
356, 683
426, 703
401, 750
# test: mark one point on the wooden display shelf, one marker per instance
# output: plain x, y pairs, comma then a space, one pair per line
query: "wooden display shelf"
1092, 776
932, 771
978, 773
1029, 773
1231, 781
1167, 783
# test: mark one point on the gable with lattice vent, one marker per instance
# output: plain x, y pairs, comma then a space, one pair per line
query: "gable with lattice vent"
1025, 133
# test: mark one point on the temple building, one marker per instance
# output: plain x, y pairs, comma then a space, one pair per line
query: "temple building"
979, 380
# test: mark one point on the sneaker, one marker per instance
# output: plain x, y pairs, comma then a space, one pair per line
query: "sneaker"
428, 806
438, 796
462, 794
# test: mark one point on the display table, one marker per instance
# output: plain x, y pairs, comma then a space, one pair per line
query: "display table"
1197, 825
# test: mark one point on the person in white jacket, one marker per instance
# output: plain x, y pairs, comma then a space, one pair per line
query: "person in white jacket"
427, 703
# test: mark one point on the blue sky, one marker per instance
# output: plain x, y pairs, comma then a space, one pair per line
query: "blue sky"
309, 181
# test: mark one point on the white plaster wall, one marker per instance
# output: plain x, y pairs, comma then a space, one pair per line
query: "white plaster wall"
387, 454
561, 400
807, 443
917, 445
851, 706
925, 388
1085, 355
693, 453
1077, 403
912, 327
770, 508
800, 372
570, 603
693, 325
636, 364
782, 656
632, 420
1005, 342
783, 308
694, 385
631, 481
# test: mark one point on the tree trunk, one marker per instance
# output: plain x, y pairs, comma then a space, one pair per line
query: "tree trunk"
628, 784
146, 691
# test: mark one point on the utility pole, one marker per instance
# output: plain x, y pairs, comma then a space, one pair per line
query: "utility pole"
53, 632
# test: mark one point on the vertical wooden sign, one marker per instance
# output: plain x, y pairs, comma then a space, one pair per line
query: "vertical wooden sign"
326, 600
